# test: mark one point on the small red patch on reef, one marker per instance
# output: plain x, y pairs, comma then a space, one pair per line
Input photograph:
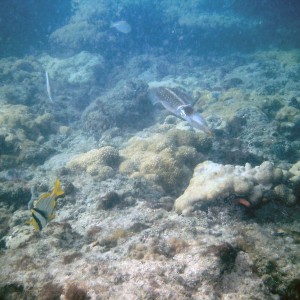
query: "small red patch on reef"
243, 202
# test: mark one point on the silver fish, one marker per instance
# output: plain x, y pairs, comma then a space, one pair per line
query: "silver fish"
179, 103
48, 87
121, 26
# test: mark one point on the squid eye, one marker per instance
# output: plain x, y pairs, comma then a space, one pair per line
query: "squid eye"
188, 110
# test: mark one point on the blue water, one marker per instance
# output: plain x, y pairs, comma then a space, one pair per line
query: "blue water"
198, 27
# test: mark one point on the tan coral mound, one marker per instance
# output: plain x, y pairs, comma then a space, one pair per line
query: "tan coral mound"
165, 158
98, 163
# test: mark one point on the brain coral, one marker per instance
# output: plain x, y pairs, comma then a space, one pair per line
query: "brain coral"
99, 163
165, 158
212, 181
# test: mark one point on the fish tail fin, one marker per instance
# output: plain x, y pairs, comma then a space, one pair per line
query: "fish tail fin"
57, 189
33, 223
51, 217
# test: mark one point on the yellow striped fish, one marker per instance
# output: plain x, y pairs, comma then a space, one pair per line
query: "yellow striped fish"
42, 211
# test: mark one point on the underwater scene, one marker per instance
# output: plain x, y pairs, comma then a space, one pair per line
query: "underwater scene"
149, 149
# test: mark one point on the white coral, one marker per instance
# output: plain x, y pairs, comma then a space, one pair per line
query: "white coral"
212, 181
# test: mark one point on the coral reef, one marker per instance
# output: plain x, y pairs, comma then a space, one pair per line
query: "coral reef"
74, 292
76, 70
111, 241
126, 106
250, 137
100, 163
288, 118
22, 80
295, 179
109, 200
212, 24
165, 158
214, 182
20, 134
76, 37
123, 161
295, 171
74, 82
12, 291
275, 275
141, 251
51, 291
158, 250
15, 194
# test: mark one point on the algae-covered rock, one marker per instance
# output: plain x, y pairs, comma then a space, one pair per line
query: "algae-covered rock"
100, 163
19, 237
285, 194
76, 70
65, 130
76, 37
288, 119
14, 193
19, 134
212, 182
125, 106
165, 158
287, 113
22, 81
